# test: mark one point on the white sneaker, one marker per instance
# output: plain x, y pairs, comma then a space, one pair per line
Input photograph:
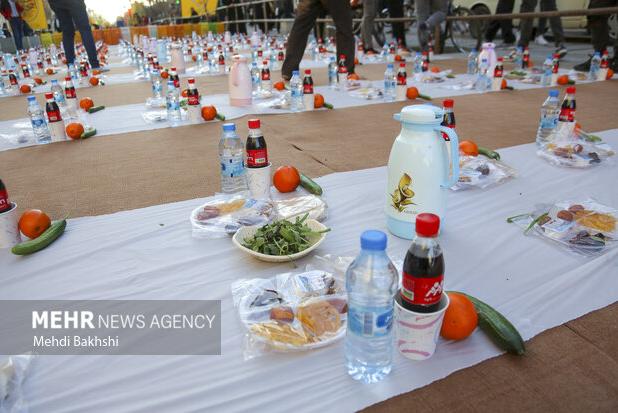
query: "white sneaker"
540, 40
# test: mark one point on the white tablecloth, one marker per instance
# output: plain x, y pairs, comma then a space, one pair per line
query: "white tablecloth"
150, 254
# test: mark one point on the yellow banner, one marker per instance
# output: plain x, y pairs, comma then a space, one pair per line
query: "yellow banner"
34, 14
200, 6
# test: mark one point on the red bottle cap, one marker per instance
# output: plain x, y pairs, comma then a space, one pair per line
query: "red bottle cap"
342, 57
570, 90
448, 103
427, 225
49, 96
402, 65
308, 71
191, 80
173, 69
67, 78
254, 123
501, 59
265, 62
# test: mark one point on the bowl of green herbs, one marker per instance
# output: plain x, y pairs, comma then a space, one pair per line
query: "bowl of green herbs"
281, 241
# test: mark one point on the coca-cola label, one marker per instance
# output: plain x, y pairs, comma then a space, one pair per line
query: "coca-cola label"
54, 116
257, 158
555, 67
567, 115
498, 71
176, 82
13, 80
604, 63
265, 74
70, 93
401, 79
425, 64
421, 291
307, 89
193, 100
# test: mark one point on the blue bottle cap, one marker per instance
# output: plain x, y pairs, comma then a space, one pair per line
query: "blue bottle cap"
373, 240
295, 73
389, 66
554, 93
170, 83
229, 127
31, 98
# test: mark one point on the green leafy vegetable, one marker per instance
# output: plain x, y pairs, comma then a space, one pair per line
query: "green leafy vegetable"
283, 237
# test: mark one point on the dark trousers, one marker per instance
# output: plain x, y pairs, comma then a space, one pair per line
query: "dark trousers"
17, 26
306, 14
525, 26
505, 26
599, 29
72, 14
395, 9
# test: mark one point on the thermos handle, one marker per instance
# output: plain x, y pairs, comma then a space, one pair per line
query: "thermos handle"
454, 158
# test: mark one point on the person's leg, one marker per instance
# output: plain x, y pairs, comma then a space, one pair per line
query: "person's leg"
554, 22
306, 14
341, 12
438, 13
423, 9
68, 33
525, 25
369, 14
17, 27
599, 29
80, 18
506, 26
395, 9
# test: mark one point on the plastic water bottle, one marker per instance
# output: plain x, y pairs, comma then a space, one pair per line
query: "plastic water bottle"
483, 81
172, 103
550, 113
595, 66
418, 63
37, 118
157, 87
390, 82
518, 58
472, 62
73, 72
231, 150
2, 86
296, 87
371, 283
332, 72
255, 77
548, 65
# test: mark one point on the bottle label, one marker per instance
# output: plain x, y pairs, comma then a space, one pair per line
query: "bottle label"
370, 321
193, 100
54, 116
401, 79
38, 122
549, 121
265, 75
308, 89
567, 115
257, 158
422, 291
70, 93
232, 166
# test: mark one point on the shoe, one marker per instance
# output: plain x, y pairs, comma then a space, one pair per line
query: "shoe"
561, 51
584, 66
540, 40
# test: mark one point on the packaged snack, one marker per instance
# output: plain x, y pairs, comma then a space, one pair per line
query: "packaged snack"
13, 371
481, 172
291, 311
291, 207
586, 227
225, 214
571, 147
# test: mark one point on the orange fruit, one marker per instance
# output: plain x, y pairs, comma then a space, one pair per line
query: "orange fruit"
33, 222
318, 101
279, 85
563, 80
185, 93
286, 178
194, 58
86, 103
412, 93
398, 58
468, 148
356, 60
74, 130
164, 75
460, 318
209, 112
353, 76
96, 72
25, 89
38, 80
49, 71
94, 81
610, 74
578, 126
503, 84
435, 69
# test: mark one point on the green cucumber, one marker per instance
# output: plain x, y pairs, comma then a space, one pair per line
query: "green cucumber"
88, 133
497, 327
96, 109
42, 241
310, 185
220, 116
489, 153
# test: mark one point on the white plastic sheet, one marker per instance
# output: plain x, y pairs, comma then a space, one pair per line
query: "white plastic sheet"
150, 254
